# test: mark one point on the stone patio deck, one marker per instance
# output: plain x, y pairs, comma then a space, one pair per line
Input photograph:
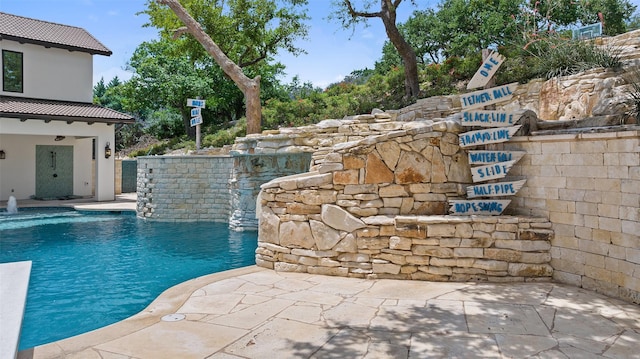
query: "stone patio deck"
257, 313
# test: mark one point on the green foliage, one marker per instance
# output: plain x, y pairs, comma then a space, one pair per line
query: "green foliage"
247, 31
465, 27
164, 123
225, 136
441, 79
156, 149
559, 57
633, 79
634, 22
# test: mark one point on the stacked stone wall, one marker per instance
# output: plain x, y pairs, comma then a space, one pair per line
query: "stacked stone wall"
588, 185
376, 208
184, 188
436, 248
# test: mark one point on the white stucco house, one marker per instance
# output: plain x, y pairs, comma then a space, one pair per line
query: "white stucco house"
53, 139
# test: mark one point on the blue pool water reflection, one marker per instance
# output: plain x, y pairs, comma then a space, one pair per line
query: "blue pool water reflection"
91, 270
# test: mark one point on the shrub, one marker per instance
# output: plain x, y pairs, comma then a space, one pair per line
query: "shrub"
225, 136
633, 78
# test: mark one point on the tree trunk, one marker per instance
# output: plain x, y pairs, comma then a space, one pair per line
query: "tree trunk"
249, 87
408, 55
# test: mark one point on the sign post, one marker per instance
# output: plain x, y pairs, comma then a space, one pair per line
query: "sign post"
196, 117
497, 127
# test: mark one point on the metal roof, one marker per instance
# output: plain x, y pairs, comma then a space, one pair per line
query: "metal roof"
51, 110
49, 34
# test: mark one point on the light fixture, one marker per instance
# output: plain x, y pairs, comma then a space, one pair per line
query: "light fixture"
2, 155
59, 138
107, 151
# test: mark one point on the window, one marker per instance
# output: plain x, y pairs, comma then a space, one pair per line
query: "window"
12, 71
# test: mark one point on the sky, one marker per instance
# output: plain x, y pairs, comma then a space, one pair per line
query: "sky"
332, 52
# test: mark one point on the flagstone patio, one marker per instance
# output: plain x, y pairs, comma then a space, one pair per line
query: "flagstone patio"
256, 313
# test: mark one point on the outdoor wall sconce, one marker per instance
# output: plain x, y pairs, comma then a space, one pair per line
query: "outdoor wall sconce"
59, 138
107, 151
2, 155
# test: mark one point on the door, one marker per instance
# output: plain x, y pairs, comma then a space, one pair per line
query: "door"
129, 176
54, 172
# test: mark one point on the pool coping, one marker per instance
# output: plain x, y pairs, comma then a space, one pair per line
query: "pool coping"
168, 302
13, 296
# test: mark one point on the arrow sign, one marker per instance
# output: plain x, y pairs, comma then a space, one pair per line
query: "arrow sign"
196, 111
487, 157
485, 137
492, 171
486, 71
482, 207
195, 102
495, 189
196, 121
486, 97
490, 118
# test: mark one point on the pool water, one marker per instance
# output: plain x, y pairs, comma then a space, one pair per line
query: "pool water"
92, 270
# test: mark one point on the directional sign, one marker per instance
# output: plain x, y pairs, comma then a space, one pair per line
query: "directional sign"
492, 171
486, 97
495, 189
196, 120
195, 103
481, 207
486, 71
196, 111
490, 118
487, 157
485, 137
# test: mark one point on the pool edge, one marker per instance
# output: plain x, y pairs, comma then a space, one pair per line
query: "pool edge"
167, 302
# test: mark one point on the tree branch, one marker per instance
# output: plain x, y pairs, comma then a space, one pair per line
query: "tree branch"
355, 13
179, 32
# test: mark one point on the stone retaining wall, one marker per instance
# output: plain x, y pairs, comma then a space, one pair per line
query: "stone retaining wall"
588, 185
437, 248
375, 208
184, 188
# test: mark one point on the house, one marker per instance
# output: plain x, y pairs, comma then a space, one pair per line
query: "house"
54, 142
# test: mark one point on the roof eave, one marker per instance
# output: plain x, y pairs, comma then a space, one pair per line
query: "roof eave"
52, 44
68, 119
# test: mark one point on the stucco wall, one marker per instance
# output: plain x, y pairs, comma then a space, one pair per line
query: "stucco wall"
18, 170
19, 139
52, 73
588, 185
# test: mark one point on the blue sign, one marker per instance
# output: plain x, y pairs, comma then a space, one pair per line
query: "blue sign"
487, 157
495, 189
195, 103
482, 207
485, 137
487, 97
196, 121
490, 118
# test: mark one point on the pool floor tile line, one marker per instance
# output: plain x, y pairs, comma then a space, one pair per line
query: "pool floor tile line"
253, 312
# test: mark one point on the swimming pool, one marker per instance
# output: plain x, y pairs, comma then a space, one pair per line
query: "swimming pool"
92, 270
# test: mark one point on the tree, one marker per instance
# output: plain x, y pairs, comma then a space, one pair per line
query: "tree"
614, 14
250, 32
465, 27
163, 79
349, 16
418, 30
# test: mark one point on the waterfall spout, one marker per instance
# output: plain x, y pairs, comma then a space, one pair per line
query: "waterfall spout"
12, 205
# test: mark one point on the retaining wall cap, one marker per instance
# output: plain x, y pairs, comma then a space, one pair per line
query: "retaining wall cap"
275, 182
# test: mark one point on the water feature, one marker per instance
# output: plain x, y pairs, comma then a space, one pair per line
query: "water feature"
12, 205
91, 270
